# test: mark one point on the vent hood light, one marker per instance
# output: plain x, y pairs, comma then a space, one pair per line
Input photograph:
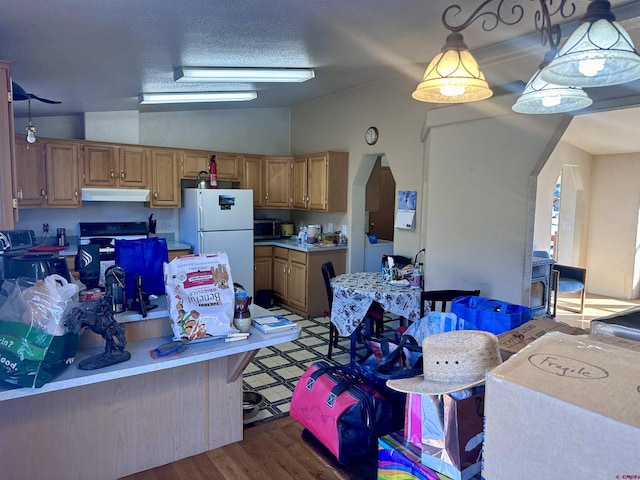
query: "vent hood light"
196, 97
114, 195
213, 74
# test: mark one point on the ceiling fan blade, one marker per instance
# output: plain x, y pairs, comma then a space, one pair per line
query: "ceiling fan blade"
20, 94
45, 100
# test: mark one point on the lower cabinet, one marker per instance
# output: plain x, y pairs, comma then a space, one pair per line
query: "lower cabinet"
297, 278
262, 268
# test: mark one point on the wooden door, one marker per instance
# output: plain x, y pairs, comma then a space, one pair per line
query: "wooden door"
8, 212
298, 285
278, 182
165, 178
63, 174
299, 179
381, 221
253, 178
100, 166
317, 182
134, 169
280, 277
228, 167
30, 174
193, 162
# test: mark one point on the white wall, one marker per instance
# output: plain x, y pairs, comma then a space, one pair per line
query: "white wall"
338, 122
482, 164
613, 239
576, 165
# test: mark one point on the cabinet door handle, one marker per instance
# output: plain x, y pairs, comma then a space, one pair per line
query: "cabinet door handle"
19, 194
122, 174
155, 194
75, 194
111, 173
42, 193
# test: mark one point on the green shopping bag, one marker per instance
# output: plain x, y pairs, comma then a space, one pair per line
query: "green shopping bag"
30, 357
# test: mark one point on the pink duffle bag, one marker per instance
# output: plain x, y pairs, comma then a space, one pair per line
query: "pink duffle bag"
341, 411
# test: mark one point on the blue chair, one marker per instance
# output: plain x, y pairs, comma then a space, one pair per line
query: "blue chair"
568, 279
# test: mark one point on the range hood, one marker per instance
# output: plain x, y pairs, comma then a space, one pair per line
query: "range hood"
114, 195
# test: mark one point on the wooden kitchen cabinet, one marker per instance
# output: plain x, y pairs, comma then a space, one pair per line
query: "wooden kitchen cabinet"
165, 178
229, 165
287, 265
31, 186
62, 165
277, 175
253, 178
111, 166
8, 208
262, 268
298, 281
320, 182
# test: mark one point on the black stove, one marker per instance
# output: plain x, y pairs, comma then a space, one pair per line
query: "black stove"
104, 234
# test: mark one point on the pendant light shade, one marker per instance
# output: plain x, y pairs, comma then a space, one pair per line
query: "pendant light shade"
599, 53
540, 97
453, 76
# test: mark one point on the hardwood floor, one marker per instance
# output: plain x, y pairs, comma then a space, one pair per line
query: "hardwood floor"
272, 450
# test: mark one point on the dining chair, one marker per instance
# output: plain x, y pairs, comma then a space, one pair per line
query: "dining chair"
567, 279
374, 314
442, 297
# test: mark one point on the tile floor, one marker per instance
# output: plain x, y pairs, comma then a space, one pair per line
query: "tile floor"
275, 370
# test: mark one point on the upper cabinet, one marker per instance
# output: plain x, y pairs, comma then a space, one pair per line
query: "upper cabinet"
8, 210
31, 179
62, 165
165, 178
277, 173
47, 173
228, 165
114, 166
320, 182
253, 178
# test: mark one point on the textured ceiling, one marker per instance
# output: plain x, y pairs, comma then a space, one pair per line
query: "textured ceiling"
98, 55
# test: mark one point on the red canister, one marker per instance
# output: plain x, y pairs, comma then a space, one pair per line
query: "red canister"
90, 294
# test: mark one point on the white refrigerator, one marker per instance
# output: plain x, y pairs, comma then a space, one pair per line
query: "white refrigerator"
221, 220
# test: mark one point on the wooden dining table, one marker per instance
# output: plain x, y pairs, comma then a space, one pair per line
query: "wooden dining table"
353, 294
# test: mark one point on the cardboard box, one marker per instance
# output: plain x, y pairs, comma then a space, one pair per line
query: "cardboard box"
399, 459
564, 407
515, 340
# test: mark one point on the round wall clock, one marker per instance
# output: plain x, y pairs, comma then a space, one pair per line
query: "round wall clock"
371, 135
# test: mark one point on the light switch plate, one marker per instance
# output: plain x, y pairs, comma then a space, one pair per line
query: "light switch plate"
330, 227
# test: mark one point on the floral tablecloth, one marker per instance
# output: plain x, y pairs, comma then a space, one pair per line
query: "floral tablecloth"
353, 294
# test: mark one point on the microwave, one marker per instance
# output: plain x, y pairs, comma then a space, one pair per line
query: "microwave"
266, 229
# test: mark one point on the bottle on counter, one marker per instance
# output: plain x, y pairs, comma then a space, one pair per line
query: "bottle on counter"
213, 172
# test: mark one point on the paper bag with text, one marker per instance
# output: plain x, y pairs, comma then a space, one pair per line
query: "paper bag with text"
200, 296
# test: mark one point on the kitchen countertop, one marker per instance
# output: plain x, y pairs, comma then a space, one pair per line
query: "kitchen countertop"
295, 245
73, 249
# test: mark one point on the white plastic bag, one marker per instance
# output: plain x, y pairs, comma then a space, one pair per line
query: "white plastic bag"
41, 303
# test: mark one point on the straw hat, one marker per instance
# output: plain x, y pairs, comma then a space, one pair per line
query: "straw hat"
452, 361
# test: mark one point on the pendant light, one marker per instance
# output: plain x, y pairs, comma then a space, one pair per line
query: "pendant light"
453, 76
540, 97
31, 130
599, 53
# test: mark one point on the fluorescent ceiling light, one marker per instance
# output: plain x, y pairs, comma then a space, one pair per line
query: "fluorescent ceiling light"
214, 74
196, 97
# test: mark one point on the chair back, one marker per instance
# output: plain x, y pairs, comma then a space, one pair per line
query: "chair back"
400, 261
443, 297
328, 272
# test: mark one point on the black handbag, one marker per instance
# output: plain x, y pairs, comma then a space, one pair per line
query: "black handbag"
341, 411
405, 361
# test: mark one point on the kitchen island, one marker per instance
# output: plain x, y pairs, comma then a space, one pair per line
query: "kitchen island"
129, 417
